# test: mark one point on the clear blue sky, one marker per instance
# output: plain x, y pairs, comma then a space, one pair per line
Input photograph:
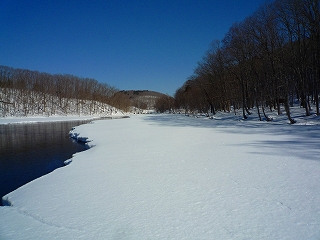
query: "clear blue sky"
129, 44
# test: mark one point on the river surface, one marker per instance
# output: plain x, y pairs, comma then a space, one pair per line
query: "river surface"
29, 151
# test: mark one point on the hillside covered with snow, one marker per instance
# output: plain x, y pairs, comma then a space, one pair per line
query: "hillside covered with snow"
25, 93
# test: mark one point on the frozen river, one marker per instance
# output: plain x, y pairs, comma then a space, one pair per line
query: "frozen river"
28, 151
177, 177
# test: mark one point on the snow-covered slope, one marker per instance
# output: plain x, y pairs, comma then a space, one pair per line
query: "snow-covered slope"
176, 177
15, 103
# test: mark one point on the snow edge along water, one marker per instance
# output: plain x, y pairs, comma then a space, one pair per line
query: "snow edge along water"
72, 135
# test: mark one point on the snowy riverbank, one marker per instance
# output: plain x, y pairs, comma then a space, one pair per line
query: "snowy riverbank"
12, 120
35, 119
176, 177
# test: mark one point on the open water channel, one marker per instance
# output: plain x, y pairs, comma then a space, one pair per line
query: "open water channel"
29, 151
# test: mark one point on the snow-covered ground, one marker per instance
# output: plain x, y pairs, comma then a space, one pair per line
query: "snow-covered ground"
11, 120
177, 177
35, 119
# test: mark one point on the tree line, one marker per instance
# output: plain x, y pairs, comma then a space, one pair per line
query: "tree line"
266, 61
24, 92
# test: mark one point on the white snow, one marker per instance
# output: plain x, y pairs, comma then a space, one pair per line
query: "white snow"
58, 118
22, 120
177, 177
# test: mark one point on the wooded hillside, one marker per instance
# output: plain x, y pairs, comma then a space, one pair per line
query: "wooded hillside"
24, 92
137, 100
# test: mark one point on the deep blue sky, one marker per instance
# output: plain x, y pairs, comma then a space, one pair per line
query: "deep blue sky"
129, 44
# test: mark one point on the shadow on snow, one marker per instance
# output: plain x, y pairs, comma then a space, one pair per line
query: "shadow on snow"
302, 141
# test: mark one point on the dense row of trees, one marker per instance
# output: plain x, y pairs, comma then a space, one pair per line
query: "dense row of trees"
25, 92
164, 103
269, 59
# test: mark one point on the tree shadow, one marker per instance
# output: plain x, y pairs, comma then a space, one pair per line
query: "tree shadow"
298, 148
301, 141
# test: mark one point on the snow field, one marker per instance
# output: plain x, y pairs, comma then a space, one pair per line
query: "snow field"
176, 177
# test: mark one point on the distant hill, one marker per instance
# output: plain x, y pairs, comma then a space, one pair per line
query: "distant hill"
143, 99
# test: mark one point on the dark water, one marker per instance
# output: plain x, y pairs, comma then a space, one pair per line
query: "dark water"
28, 151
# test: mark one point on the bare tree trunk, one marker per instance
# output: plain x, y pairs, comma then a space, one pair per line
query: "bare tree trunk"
287, 108
265, 115
243, 99
258, 110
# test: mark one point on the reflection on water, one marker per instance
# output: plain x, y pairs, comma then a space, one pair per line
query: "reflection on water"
28, 151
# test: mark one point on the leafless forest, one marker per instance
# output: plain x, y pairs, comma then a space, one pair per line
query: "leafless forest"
27, 93
24, 93
269, 60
